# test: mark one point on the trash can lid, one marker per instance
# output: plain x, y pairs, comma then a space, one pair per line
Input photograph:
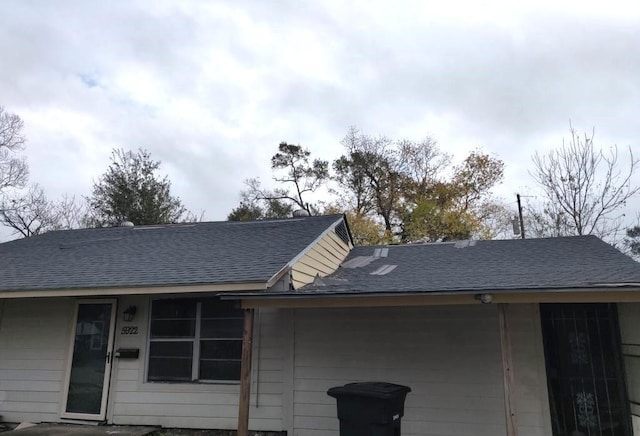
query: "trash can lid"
380, 390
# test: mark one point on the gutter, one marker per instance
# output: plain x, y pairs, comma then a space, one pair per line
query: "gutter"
297, 300
259, 286
357, 293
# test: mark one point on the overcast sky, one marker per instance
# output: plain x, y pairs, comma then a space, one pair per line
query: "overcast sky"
211, 87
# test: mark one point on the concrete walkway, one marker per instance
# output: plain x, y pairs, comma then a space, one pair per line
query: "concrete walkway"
82, 430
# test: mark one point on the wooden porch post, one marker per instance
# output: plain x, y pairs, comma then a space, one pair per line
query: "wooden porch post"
245, 374
507, 371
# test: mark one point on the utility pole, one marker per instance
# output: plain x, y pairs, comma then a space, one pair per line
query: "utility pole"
520, 216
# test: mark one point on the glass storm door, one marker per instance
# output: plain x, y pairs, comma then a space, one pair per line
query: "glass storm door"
587, 395
90, 361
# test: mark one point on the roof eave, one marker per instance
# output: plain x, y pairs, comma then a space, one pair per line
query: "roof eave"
625, 293
250, 286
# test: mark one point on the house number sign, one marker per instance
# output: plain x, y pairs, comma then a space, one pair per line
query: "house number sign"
129, 330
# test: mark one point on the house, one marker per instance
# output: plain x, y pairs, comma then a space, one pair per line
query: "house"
527, 337
125, 325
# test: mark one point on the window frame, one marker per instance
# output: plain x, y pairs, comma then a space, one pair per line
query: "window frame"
195, 340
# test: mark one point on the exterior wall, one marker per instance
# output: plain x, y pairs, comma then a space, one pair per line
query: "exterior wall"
449, 355
214, 406
324, 258
530, 377
35, 336
629, 318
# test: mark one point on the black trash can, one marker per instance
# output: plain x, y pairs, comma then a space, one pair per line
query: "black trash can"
370, 409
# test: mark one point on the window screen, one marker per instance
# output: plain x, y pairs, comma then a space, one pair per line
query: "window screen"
195, 339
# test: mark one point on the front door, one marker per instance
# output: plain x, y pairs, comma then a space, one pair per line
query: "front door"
90, 360
587, 394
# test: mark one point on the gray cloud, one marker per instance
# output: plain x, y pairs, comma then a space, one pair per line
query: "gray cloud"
211, 88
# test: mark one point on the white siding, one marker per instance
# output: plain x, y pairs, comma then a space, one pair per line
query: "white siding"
323, 259
449, 356
34, 341
629, 317
530, 379
214, 406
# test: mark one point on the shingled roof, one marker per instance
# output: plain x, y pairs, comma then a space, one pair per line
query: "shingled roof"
164, 255
474, 266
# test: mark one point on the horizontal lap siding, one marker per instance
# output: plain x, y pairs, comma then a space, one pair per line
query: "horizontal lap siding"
529, 373
449, 356
629, 316
200, 405
34, 341
323, 259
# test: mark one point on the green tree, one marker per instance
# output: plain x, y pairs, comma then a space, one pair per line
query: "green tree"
246, 212
306, 176
297, 176
392, 191
410, 187
131, 190
252, 207
371, 175
460, 207
632, 241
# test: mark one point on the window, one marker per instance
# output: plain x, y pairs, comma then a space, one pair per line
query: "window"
195, 339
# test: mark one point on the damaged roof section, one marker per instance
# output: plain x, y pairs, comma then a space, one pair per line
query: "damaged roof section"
163, 255
552, 263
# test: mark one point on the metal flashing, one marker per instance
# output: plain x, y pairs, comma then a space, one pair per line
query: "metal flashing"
380, 252
383, 270
358, 262
465, 243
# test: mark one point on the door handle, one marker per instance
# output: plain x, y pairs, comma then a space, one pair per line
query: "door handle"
109, 357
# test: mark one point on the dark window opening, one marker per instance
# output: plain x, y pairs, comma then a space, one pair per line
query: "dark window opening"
585, 376
195, 340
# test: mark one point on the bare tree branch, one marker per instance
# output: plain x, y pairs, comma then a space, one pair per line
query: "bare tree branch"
13, 169
28, 215
584, 188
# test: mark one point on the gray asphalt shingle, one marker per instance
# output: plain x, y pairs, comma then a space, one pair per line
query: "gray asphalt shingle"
553, 263
180, 254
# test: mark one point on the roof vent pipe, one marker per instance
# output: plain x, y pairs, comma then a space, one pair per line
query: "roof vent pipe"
300, 213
